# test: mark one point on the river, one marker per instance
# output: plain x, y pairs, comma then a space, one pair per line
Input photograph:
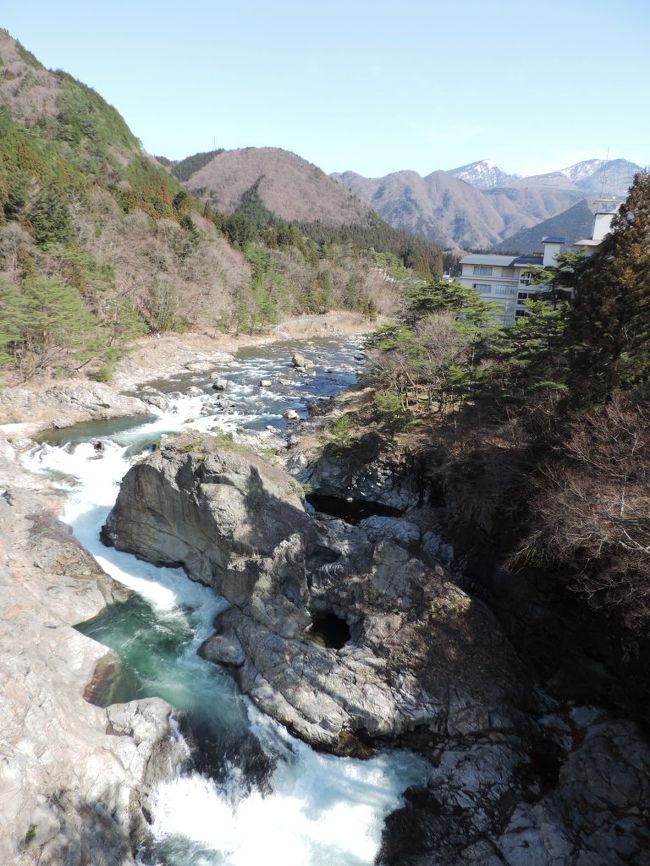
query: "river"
249, 792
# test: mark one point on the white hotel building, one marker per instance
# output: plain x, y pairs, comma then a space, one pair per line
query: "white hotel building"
507, 280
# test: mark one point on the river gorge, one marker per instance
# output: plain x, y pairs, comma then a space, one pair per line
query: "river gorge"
355, 706
252, 790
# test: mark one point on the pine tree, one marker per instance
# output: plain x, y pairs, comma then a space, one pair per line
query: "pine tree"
55, 324
610, 321
50, 218
535, 349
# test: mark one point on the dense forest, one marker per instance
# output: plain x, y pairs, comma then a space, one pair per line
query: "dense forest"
99, 243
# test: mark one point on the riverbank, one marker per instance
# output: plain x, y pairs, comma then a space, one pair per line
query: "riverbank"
580, 748
44, 403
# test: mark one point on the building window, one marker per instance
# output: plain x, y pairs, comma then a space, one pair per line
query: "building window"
525, 278
482, 270
520, 313
523, 296
482, 288
508, 291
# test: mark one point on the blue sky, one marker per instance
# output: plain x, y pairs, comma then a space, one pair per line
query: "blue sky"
373, 87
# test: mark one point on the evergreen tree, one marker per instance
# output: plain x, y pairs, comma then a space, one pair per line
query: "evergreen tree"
535, 349
610, 322
557, 280
473, 316
50, 218
56, 320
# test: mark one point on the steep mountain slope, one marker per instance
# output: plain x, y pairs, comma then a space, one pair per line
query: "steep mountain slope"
572, 224
483, 174
288, 185
99, 242
86, 214
611, 177
438, 207
581, 171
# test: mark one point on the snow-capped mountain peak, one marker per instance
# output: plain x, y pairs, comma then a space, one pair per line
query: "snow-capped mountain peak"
582, 170
483, 174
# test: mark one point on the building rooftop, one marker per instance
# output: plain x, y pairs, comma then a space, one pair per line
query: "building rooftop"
487, 259
606, 205
528, 260
553, 240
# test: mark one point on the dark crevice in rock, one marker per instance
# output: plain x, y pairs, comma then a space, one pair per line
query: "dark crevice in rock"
350, 510
329, 630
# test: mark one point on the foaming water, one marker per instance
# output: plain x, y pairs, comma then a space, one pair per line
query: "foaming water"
256, 794
320, 811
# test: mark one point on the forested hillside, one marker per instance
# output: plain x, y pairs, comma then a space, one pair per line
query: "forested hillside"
537, 442
100, 242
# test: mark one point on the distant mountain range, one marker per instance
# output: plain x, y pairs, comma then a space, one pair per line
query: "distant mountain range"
481, 206
594, 176
454, 213
475, 206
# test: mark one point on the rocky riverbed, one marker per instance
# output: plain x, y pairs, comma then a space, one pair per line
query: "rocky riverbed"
354, 633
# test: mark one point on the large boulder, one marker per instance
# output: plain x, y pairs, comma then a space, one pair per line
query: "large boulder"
343, 637
363, 470
221, 513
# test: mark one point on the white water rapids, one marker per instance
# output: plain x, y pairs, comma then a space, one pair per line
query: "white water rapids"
314, 809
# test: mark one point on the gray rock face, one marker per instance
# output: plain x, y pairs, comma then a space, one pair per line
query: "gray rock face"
361, 472
74, 776
420, 653
602, 799
222, 514
395, 529
579, 798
